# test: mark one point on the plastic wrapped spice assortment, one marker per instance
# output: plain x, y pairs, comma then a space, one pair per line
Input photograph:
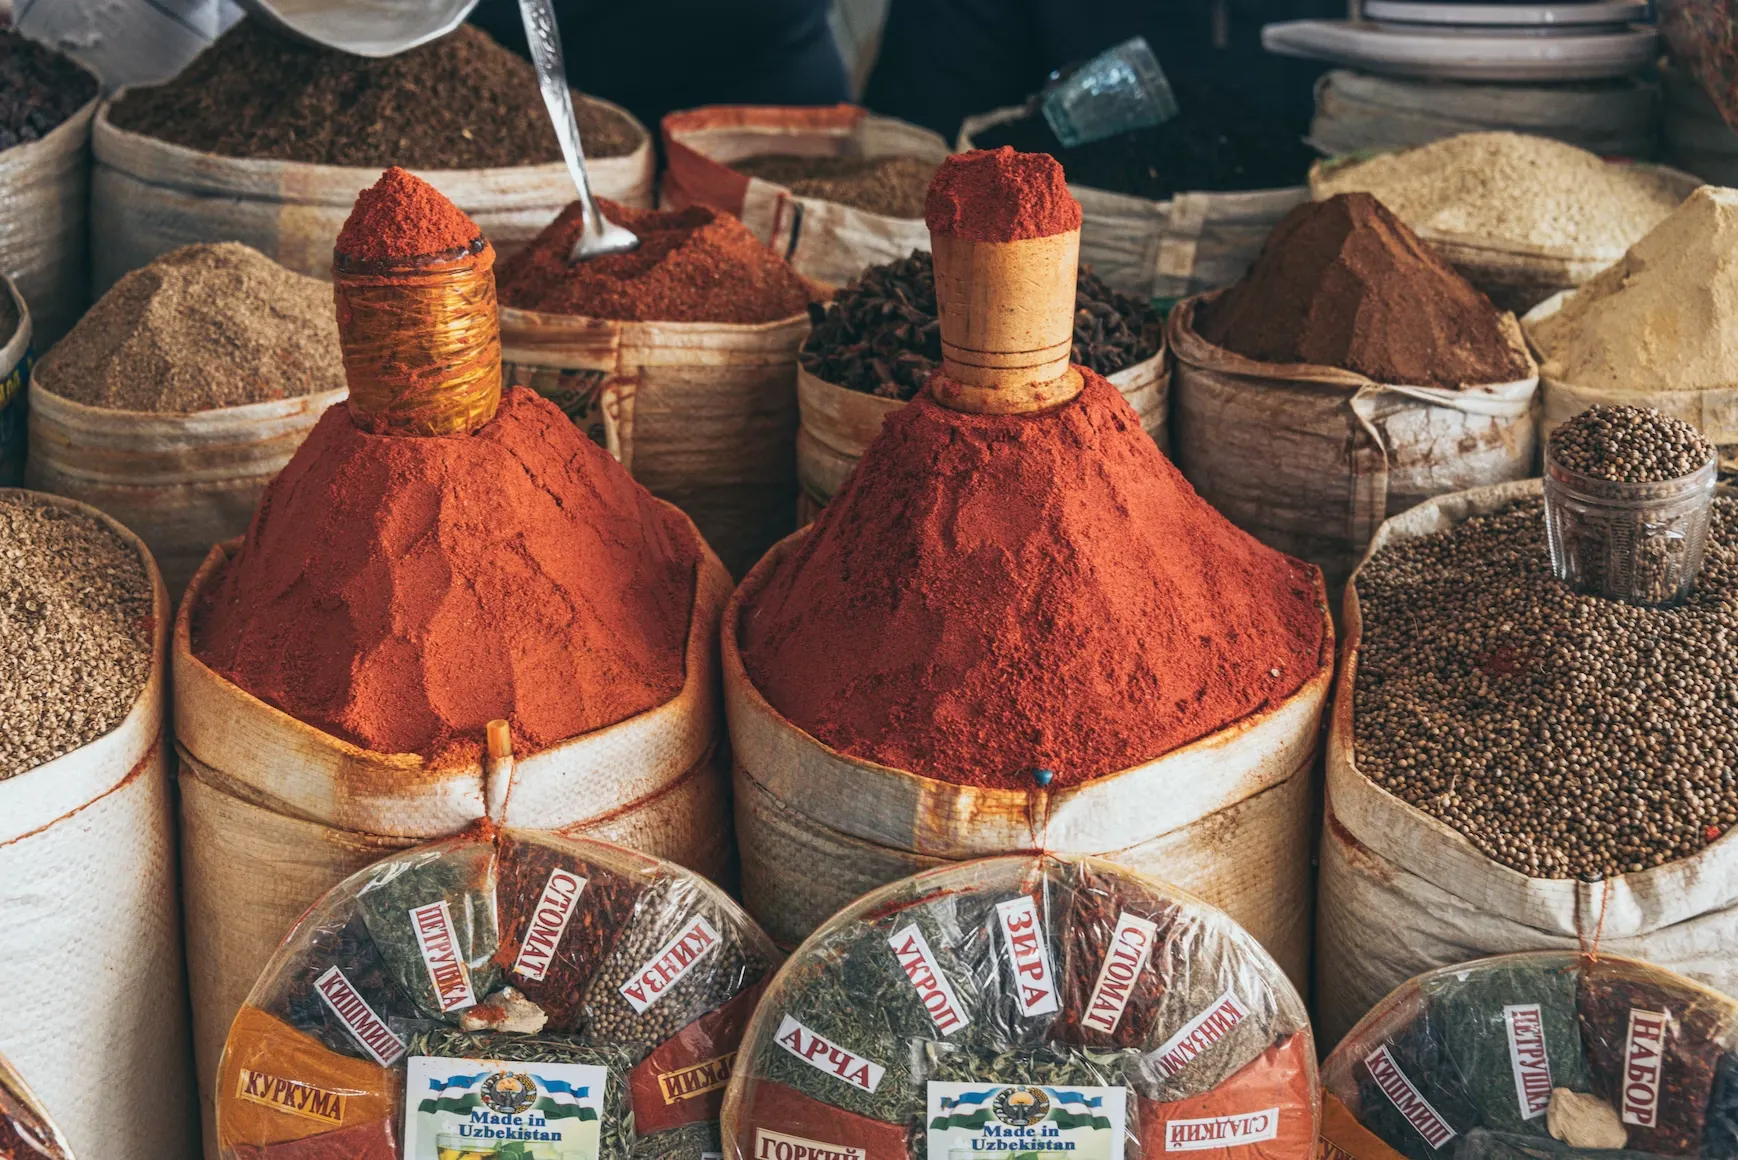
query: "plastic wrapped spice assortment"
25, 1130
501, 994
1542, 1056
1023, 1005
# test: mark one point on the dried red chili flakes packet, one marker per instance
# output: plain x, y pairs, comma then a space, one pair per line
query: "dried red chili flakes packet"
25, 1130
1654, 1042
560, 916
1112, 927
683, 1080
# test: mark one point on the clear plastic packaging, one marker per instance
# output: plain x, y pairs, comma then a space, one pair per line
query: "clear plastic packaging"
505, 994
1539, 1056
1641, 543
25, 1130
1119, 90
1022, 1005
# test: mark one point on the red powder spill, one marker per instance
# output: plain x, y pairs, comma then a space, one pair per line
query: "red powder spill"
692, 265
989, 595
403, 216
400, 593
998, 195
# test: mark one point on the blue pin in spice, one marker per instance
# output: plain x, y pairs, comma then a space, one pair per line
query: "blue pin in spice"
1043, 777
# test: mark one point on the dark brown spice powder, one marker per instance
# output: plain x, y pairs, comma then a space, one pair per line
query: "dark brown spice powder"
461, 102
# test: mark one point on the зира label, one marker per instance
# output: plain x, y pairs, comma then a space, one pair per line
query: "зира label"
828, 1057
1407, 1099
555, 907
1131, 945
1642, 1056
932, 985
674, 959
1529, 1059
979, 1119
1221, 1131
1029, 955
1201, 1033
439, 944
367, 1028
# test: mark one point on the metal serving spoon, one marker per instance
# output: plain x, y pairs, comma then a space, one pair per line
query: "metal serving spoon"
387, 27
597, 236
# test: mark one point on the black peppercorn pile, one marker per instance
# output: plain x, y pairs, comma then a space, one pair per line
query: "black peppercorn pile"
1566, 736
1630, 445
39, 89
881, 335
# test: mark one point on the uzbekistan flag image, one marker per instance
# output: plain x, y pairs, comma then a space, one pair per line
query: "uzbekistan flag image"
1011, 1122
474, 1109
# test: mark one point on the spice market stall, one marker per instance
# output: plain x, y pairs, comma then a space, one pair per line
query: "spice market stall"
1066, 1002
1655, 330
182, 392
943, 665
1350, 375
1176, 209
1569, 784
1527, 1056
90, 949
26, 1132
835, 190
506, 993
438, 554
679, 356
1521, 217
267, 140
47, 101
877, 341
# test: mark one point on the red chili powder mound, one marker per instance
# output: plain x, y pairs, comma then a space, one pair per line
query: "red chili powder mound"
1344, 283
400, 593
403, 216
998, 195
990, 595
692, 265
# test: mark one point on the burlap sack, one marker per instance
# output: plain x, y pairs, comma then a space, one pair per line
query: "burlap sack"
45, 189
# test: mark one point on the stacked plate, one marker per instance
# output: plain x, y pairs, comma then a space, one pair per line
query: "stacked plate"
1576, 40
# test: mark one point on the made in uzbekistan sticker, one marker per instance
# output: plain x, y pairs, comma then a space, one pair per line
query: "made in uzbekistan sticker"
484, 1109
1012, 1121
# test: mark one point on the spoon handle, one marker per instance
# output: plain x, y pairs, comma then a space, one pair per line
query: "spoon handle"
545, 42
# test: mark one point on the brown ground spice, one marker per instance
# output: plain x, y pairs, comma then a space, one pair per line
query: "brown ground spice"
1344, 283
461, 102
893, 186
692, 265
202, 327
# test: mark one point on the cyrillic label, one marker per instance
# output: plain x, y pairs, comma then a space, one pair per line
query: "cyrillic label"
439, 944
1221, 1131
555, 907
1028, 955
1642, 1055
1201, 1033
825, 1056
706, 1076
1131, 945
290, 1095
777, 1146
933, 988
358, 1018
673, 960
1407, 1099
1528, 1058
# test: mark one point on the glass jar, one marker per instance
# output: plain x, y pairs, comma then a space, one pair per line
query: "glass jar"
1640, 543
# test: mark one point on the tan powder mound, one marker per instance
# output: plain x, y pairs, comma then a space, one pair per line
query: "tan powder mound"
1665, 318
1528, 191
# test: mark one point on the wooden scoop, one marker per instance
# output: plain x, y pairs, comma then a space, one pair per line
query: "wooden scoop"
1007, 323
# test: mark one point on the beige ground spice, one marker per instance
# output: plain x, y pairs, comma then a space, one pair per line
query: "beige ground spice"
75, 631
1665, 318
201, 327
1509, 187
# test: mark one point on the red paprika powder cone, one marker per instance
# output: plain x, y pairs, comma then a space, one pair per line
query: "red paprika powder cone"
414, 280
1005, 233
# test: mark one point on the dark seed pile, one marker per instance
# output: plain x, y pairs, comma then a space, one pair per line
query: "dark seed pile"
1566, 736
460, 102
894, 186
39, 88
1630, 445
881, 334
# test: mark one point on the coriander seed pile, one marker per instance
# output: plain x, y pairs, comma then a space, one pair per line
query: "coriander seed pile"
1565, 736
1630, 445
